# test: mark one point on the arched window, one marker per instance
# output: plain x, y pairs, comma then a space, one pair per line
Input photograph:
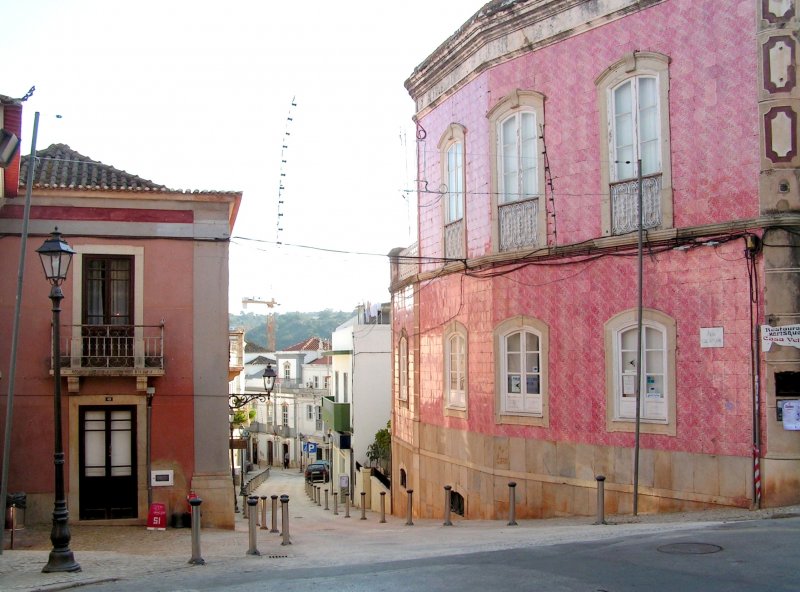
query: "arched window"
633, 102
656, 375
521, 354
518, 171
403, 369
451, 149
455, 369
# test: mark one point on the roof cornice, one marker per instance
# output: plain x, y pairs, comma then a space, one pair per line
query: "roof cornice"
503, 30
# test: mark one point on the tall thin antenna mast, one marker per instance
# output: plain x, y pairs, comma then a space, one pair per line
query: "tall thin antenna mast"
281, 187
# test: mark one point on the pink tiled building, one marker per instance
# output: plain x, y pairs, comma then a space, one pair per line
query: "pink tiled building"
520, 344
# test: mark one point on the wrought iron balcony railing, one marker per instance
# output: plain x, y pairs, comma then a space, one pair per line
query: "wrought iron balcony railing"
112, 350
625, 204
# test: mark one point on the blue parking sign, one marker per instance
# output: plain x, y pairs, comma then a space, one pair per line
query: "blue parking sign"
312, 447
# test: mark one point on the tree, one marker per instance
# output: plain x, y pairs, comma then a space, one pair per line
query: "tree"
379, 452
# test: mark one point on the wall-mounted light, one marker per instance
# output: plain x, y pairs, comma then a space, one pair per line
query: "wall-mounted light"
9, 144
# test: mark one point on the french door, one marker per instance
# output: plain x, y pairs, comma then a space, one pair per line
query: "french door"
108, 480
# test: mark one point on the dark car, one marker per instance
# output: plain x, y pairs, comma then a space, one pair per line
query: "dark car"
319, 470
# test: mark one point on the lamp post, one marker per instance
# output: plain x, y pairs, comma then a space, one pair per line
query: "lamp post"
237, 402
56, 255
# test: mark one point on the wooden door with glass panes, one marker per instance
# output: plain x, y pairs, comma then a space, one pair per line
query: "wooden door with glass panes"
108, 487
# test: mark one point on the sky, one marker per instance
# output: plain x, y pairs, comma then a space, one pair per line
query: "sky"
199, 95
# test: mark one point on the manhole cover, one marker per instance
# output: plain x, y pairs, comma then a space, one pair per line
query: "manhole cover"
690, 548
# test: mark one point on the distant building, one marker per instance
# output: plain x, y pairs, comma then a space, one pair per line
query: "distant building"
361, 390
516, 316
292, 414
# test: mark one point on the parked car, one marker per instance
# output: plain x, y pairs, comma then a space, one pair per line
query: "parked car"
319, 470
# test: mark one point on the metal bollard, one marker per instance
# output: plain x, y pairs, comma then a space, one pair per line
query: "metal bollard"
335, 503
512, 503
326, 498
601, 503
196, 558
383, 507
263, 512
447, 504
274, 513
363, 505
346, 504
409, 521
319, 495
252, 502
285, 519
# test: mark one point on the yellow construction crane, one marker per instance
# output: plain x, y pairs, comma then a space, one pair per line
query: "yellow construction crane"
270, 317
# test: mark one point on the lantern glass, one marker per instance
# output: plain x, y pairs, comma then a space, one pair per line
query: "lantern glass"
269, 378
56, 256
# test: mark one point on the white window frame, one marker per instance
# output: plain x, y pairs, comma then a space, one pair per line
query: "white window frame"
631, 66
287, 371
453, 174
515, 105
537, 412
455, 400
285, 414
658, 403
635, 137
402, 362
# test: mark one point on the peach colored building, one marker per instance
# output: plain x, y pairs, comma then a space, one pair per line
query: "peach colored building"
144, 326
516, 315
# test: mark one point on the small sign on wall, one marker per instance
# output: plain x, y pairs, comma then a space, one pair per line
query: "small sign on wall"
162, 478
711, 337
791, 415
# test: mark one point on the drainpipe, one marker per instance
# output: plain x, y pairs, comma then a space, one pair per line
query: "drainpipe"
752, 246
151, 392
640, 275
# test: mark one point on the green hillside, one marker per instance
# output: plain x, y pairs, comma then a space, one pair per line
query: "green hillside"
290, 327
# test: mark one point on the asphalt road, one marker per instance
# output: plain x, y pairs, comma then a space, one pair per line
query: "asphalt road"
751, 556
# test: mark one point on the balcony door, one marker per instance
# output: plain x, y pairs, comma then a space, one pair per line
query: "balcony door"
108, 311
108, 480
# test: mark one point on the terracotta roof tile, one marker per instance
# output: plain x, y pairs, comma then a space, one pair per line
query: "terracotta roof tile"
310, 344
61, 167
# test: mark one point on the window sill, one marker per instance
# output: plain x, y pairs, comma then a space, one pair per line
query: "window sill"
459, 412
542, 420
645, 427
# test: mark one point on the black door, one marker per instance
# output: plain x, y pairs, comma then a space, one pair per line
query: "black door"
108, 463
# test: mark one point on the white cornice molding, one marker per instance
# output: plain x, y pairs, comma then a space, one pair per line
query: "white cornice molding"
503, 31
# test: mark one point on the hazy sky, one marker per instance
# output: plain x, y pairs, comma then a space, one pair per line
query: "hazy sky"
196, 95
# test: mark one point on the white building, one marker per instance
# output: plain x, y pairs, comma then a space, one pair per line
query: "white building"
361, 389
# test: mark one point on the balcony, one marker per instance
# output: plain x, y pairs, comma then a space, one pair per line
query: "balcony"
235, 353
111, 350
454, 240
625, 204
518, 224
336, 415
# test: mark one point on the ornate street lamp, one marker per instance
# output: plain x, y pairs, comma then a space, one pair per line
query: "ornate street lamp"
238, 401
269, 379
56, 255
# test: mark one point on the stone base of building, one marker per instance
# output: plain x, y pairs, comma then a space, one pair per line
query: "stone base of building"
559, 478
216, 491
